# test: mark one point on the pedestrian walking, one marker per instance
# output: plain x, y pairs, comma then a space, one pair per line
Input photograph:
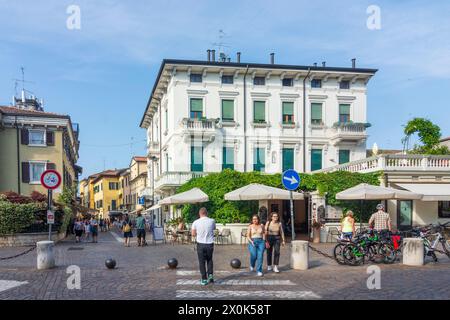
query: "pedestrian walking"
94, 229
203, 230
256, 244
78, 229
380, 220
140, 229
348, 226
275, 238
87, 230
127, 230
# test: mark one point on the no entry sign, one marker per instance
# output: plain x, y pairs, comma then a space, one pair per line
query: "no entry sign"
51, 179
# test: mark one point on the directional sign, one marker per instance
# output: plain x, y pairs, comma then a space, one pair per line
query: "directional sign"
290, 179
51, 179
141, 200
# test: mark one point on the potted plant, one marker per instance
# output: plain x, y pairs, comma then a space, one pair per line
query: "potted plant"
316, 231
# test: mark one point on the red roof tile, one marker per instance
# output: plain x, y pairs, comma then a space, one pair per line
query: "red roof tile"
25, 112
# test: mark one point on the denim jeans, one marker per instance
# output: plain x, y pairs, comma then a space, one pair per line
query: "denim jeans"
257, 253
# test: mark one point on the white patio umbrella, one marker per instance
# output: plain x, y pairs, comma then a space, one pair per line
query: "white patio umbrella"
366, 191
256, 191
195, 195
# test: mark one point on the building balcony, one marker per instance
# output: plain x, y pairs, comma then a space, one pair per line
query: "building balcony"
204, 129
349, 132
170, 180
153, 148
395, 162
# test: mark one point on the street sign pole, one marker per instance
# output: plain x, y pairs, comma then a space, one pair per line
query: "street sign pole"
49, 208
292, 215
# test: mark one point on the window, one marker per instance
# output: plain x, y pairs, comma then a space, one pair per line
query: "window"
344, 84
288, 159
113, 185
36, 170
37, 137
316, 113
287, 82
316, 83
288, 112
259, 161
344, 156
227, 79
196, 108
316, 159
344, 113
196, 77
259, 111
227, 110
404, 214
196, 158
228, 158
444, 209
113, 205
259, 81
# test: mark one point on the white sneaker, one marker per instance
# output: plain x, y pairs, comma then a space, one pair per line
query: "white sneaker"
259, 274
252, 269
275, 269
269, 268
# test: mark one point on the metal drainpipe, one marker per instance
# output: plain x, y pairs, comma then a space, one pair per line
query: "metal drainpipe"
160, 135
245, 119
18, 155
304, 119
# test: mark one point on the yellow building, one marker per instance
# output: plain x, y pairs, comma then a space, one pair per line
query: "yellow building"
138, 181
32, 141
106, 192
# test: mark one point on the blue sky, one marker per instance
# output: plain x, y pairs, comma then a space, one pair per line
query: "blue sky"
102, 74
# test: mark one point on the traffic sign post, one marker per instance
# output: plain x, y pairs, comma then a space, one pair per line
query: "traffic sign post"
50, 179
291, 181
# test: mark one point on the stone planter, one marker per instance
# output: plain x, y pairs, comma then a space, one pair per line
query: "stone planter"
28, 239
316, 235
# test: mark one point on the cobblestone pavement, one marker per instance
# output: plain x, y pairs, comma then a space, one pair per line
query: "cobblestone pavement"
142, 273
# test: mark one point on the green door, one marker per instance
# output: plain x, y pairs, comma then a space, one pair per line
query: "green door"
344, 156
196, 159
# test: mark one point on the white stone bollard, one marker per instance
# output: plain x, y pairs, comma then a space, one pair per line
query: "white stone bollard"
45, 255
413, 254
300, 255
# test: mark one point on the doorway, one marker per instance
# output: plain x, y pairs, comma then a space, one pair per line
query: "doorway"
404, 214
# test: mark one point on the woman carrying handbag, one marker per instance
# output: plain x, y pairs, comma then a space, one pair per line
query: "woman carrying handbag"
275, 237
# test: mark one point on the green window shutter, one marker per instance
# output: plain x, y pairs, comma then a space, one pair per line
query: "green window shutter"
316, 113
288, 108
259, 161
196, 158
288, 159
228, 158
316, 159
344, 156
344, 109
259, 111
227, 110
196, 105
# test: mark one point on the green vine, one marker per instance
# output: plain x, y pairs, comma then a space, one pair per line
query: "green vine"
429, 135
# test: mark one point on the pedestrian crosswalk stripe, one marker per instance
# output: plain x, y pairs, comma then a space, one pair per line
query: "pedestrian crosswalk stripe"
220, 294
228, 282
196, 273
9, 284
117, 237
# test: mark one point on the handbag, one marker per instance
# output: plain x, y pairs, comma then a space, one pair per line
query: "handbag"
267, 244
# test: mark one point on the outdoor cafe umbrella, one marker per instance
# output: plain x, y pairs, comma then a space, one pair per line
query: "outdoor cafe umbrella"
256, 191
195, 195
366, 191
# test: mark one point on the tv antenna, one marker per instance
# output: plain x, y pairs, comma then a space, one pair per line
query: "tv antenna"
220, 45
23, 81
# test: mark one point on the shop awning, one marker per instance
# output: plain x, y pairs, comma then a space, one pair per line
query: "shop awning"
256, 191
430, 191
195, 195
156, 206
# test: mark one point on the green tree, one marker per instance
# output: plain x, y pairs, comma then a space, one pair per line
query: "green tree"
429, 135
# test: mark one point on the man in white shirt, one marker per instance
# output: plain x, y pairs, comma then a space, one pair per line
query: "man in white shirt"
203, 230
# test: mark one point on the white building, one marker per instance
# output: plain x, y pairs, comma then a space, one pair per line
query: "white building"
203, 116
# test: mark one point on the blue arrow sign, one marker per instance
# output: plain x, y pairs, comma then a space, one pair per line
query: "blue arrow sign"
290, 179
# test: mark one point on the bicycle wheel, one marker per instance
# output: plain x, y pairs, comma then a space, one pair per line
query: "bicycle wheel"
388, 253
337, 253
446, 247
353, 256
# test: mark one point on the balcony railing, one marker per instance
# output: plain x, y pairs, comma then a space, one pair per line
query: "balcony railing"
349, 131
152, 148
175, 179
205, 128
395, 162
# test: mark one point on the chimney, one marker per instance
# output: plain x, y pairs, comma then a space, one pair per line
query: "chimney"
238, 57
213, 56
315, 64
228, 59
272, 58
324, 64
354, 63
209, 55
